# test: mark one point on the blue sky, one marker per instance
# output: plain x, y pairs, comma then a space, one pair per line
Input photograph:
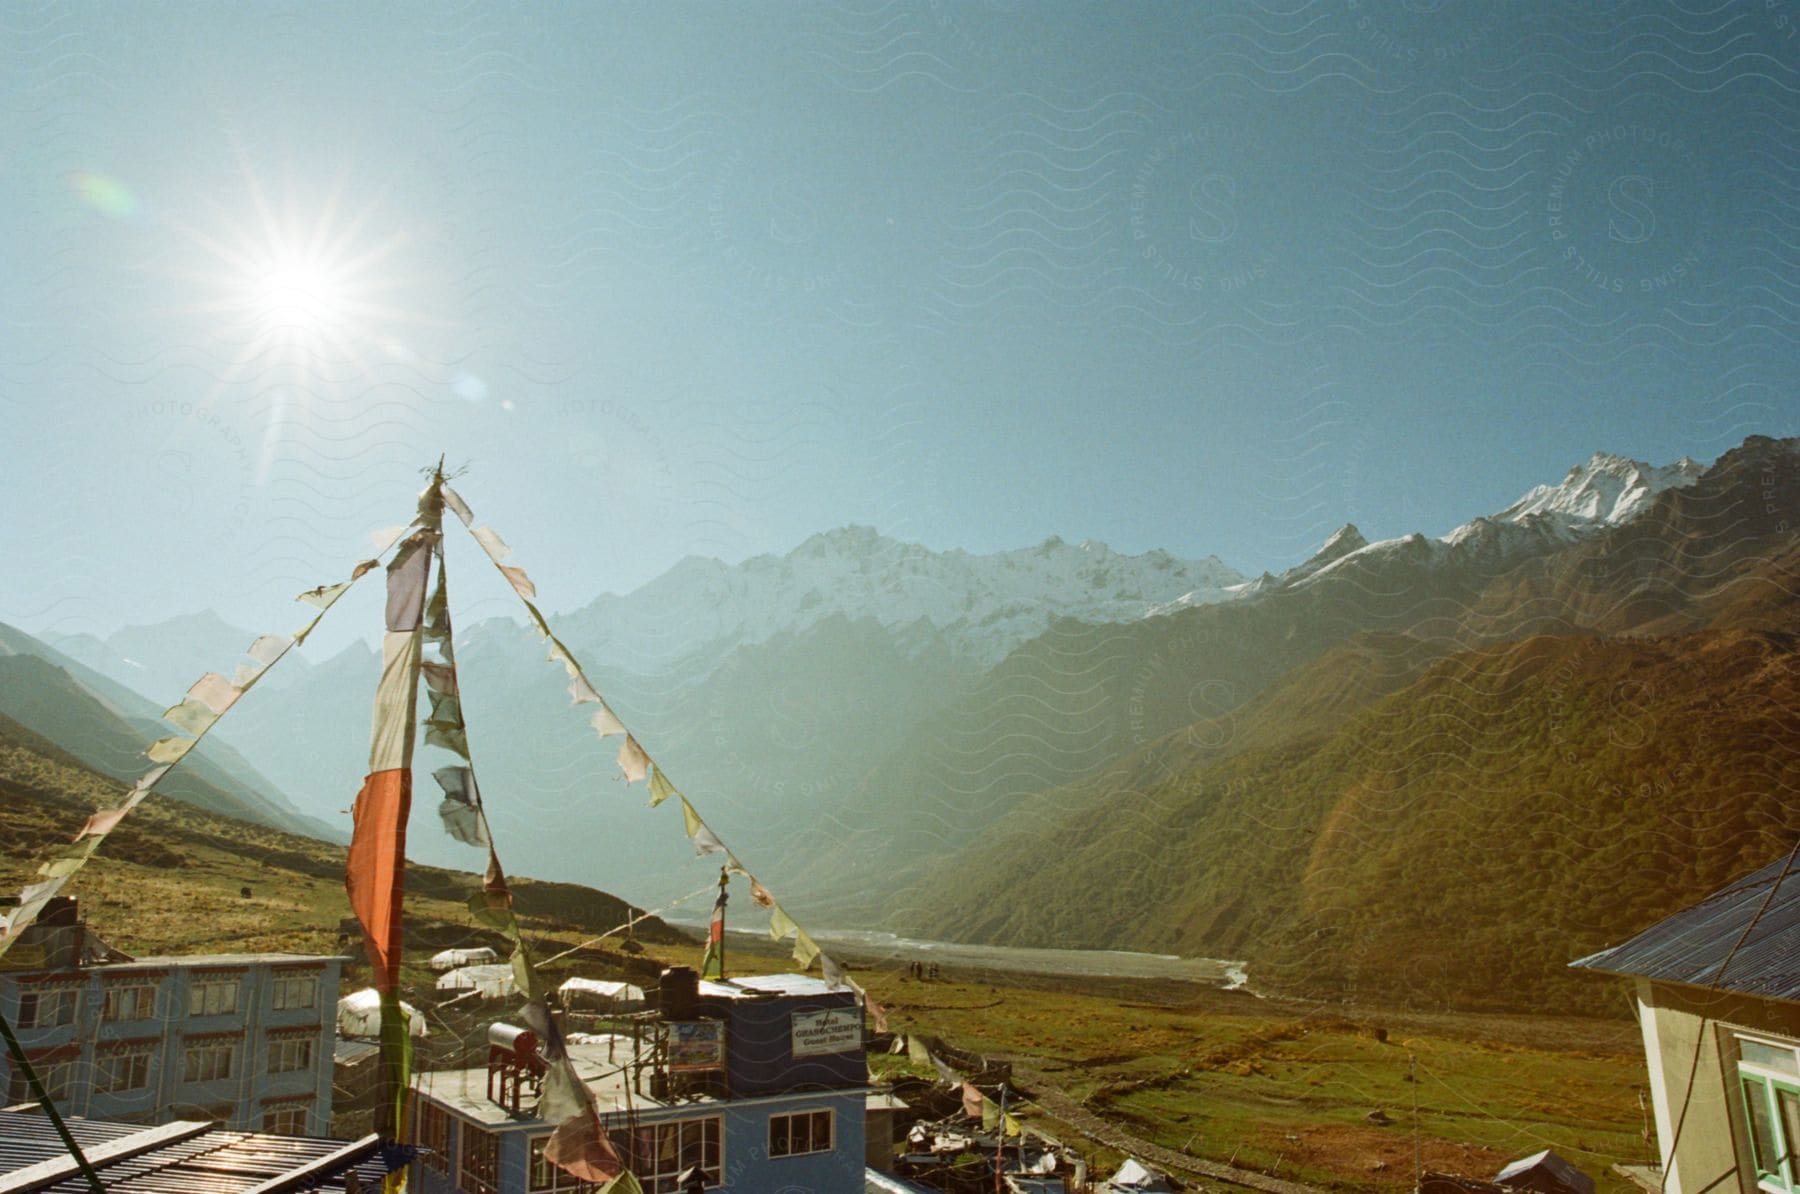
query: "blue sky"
698, 278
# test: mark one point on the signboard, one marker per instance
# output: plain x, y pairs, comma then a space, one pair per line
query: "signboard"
837, 1030
697, 1045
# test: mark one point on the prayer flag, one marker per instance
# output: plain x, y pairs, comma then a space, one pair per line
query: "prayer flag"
661, 789
805, 950
375, 872
712, 963
632, 760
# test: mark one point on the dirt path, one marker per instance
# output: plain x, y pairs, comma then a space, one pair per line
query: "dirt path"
1065, 1108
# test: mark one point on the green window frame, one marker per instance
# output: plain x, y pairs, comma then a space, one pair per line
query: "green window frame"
1772, 1125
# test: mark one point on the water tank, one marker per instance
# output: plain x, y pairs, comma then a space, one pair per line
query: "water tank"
679, 993
519, 1041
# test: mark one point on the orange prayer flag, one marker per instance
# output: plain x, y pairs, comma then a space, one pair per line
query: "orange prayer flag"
376, 870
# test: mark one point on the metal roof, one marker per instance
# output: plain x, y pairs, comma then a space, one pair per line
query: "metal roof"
751, 986
177, 1158
1691, 946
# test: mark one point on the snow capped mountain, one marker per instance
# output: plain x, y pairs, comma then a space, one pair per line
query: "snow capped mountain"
985, 605
1605, 492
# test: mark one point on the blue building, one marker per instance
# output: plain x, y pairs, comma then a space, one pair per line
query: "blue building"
760, 1081
242, 1039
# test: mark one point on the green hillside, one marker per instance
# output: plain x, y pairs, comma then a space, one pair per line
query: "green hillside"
177, 879
1454, 842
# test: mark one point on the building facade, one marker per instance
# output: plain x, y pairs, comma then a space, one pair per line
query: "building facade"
243, 1039
1718, 1002
761, 1082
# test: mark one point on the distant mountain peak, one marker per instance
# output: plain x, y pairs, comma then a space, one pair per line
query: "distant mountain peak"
985, 604
1607, 490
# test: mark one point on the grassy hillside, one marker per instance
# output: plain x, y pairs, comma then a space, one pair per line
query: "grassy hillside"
1456, 840
173, 878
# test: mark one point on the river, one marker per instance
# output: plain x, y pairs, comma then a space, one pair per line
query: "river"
869, 946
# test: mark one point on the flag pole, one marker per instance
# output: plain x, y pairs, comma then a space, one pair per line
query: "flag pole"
1000, 1145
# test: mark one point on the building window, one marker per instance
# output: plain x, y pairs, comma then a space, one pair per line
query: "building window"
478, 1161
546, 1178
1769, 1080
135, 1001
286, 1119
213, 996
126, 1069
294, 1053
807, 1132
58, 1079
209, 1062
47, 1009
431, 1131
659, 1153
294, 992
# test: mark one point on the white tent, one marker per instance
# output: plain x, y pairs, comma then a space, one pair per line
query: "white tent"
359, 1014
492, 981
594, 991
450, 959
1135, 1175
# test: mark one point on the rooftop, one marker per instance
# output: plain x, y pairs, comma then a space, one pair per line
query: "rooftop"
1692, 946
183, 1157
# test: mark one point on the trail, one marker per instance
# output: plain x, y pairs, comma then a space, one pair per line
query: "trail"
1070, 1111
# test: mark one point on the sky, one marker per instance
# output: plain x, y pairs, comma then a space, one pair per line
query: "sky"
675, 278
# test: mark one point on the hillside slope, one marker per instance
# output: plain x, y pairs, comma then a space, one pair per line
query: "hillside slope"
1069, 702
177, 879
108, 726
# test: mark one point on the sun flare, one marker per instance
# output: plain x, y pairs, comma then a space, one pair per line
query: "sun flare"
293, 296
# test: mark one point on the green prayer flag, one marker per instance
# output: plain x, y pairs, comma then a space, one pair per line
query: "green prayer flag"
167, 750
805, 950
661, 789
780, 924
623, 1184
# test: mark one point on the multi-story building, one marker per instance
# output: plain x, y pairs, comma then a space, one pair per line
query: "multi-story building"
243, 1039
759, 1081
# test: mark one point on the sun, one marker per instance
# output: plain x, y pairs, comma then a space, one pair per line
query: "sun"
308, 285
293, 296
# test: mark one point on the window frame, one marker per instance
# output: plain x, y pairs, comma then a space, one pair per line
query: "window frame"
190, 1052
287, 1109
1760, 1089
143, 1002
112, 1066
66, 1001
280, 998
646, 1163
811, 1117
199, 990
57, 1077
282, 1045
560, 1181
434, 1131
469, 1141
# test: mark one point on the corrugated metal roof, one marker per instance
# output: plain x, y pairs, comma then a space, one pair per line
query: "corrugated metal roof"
751, 985
1691, 946
216, 1161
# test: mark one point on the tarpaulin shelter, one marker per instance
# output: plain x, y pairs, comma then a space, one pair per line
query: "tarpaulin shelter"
359, 1014
451, 959
492, 982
